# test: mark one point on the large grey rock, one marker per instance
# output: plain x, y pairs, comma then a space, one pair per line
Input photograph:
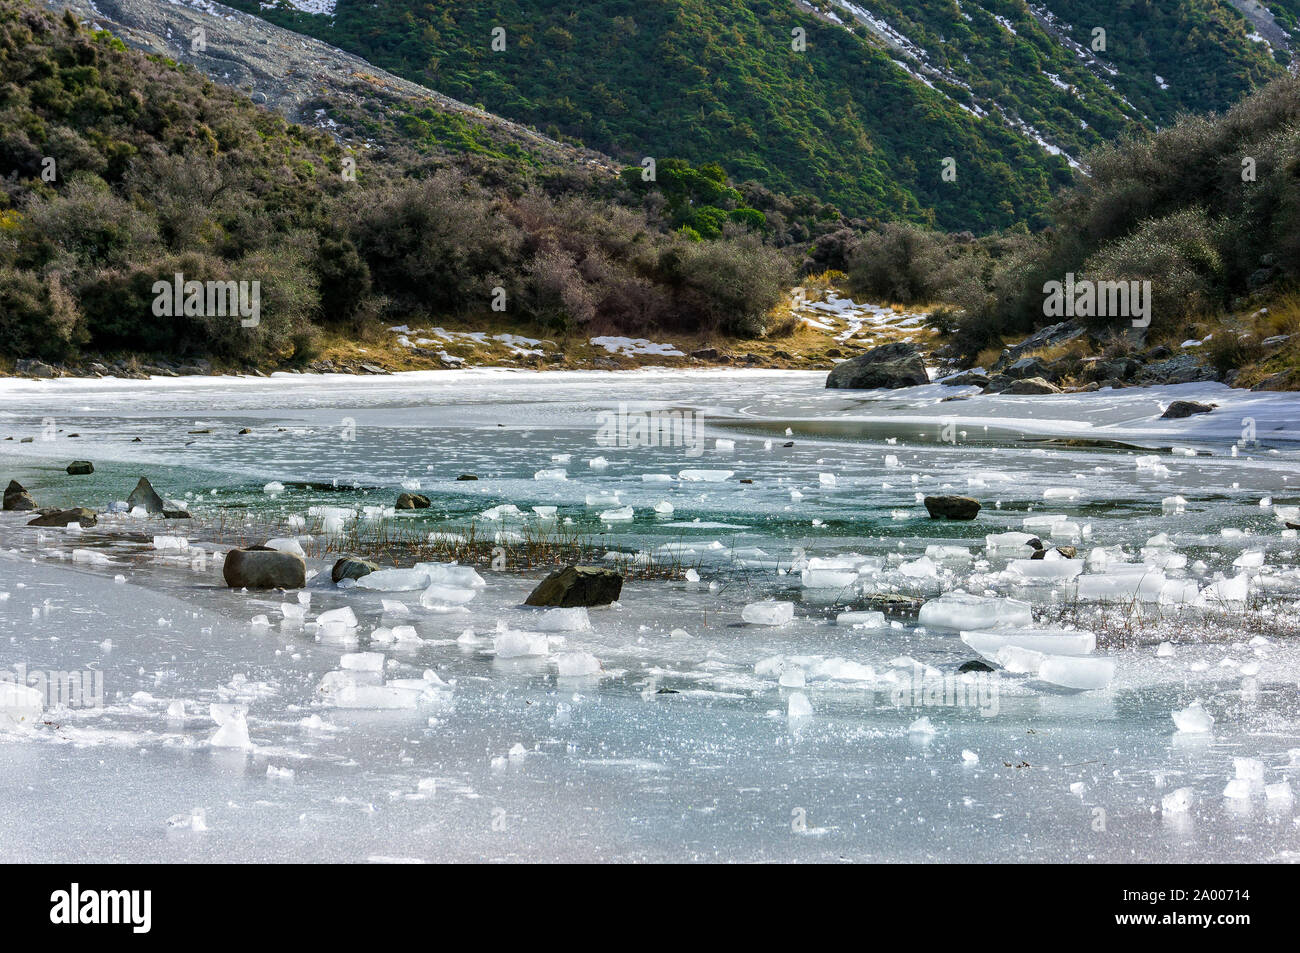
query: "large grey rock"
1185, 408
1183, 369
80, 468
78, 514
893, 365
17, 497
577, 586
412, 501
144, 495
952, 507
260, 567
1049, 336
351, 567
34, 367
1031, 385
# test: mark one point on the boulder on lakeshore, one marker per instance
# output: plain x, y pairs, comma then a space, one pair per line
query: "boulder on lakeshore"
80, 468
577, 586
1185, 408
78, 514
1030, 386
17, 497
144, 495
412, 501
952, 507
893, 365
352, 567
260, 567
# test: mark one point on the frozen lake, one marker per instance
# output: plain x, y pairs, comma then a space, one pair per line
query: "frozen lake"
688, 743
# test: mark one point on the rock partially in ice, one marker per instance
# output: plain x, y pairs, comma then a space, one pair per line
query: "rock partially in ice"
959, 610
1048, 641
516, 644
798, 707
1193, 719
1083, 674
868, 620
232, 726
1178, 802
768, 613
576, 664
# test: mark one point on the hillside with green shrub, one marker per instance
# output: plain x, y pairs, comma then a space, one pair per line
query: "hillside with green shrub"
121, 170
1207, 210
862, 118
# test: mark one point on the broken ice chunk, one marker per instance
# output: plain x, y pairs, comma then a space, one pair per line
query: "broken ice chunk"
362, 661
515, 644
868, 620
1048, 641
1081, 674
232, 727
798, 707
561, 620
1193, 719
768, 613
576, 664
1177, 802
959, 610
343, 616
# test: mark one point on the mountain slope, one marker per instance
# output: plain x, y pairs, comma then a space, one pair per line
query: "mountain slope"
863, 117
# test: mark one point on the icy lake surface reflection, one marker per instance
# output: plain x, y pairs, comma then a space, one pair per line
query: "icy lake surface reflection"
699, 736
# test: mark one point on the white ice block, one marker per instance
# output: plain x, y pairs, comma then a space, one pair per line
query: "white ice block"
960, 610
768, 613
